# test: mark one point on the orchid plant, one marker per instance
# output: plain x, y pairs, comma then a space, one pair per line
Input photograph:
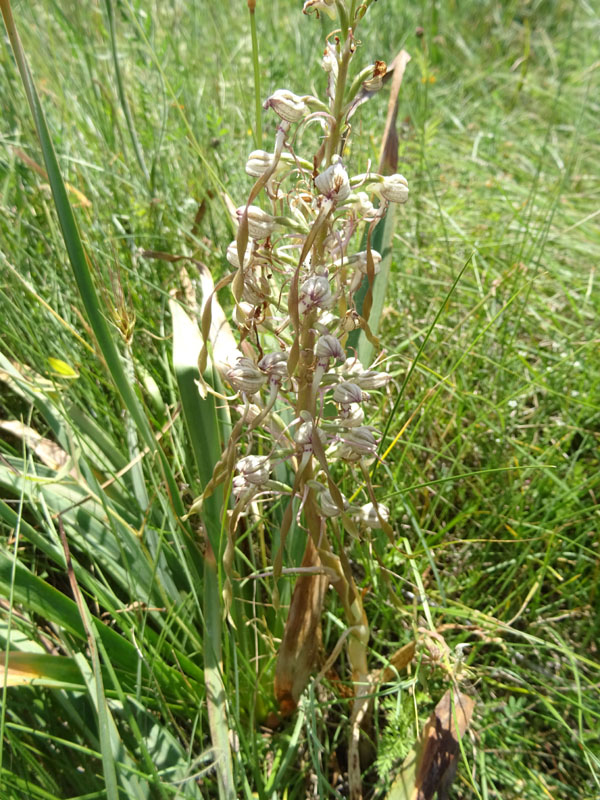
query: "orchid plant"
299, 391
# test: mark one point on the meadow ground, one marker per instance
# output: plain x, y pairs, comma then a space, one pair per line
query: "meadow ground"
493, 476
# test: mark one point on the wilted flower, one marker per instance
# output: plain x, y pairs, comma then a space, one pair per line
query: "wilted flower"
372, 515
287, 105
333, 182
260, 223
351, 321
375, 82
245, 376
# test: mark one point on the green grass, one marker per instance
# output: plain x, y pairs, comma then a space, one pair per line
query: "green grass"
493, 475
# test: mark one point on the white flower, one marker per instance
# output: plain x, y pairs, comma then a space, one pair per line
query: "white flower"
305, 433
287, 105
275, 365
259, 161
394, 188
364, 207
370, 515
333, 182
245, 376
371, 379
352, 416
328, 6
346, 393
361, 441
359, 260
330, 61
315, 292
254, 469
329, 347
328, 505
260, 223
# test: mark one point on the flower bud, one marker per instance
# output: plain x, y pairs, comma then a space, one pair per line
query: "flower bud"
315, 292
333, 182
245, 376
329, 347
346, 393
287, 105
260, 224
275, 365
259, 161
370, 515
394, 188
254, 469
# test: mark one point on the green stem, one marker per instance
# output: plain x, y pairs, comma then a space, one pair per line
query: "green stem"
338, 103
255, 63
137, 148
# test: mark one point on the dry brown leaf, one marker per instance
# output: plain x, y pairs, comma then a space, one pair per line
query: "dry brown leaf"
438, 757
299, 648
388, 159
398, 661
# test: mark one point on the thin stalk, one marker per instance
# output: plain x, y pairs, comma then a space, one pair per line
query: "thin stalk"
137, 148
255, 63
338, 103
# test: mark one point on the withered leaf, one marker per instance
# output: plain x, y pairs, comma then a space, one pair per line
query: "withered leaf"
439, 745
430, 766
299, 649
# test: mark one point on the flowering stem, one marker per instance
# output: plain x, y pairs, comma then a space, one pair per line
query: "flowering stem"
257, 95
338, 103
